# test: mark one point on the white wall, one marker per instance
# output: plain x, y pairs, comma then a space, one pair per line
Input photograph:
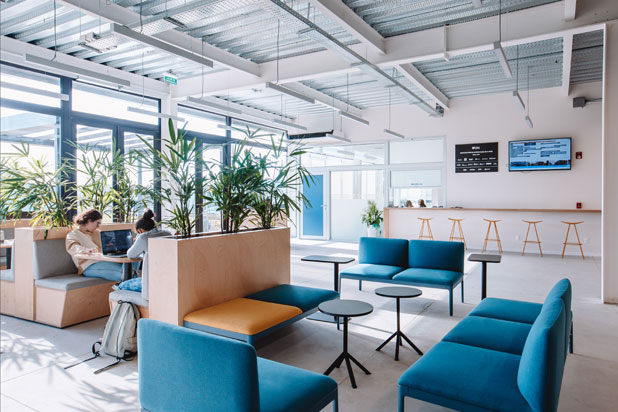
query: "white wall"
491, 118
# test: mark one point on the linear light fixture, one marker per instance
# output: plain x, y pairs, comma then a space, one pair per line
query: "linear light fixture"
289, 92
290, 124
529, 121
392, 133
158, 44
504, 63
338, 137
77, 70
519, 100
34, 90
155, 114
212, 105
355, 118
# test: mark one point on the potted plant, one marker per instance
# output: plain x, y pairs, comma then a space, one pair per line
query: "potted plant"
372, 217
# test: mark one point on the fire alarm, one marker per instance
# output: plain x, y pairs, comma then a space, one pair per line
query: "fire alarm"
578, 155
579, 205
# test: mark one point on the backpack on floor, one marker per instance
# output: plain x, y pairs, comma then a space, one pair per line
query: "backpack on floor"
119, 337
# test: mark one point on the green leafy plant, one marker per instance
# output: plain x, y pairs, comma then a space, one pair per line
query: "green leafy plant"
130, 197
30, 184
179, 184
97, 167
372, 215
280, 193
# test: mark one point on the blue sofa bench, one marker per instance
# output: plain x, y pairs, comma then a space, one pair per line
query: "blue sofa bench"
424, 263
185, 370
493, 364
259, 314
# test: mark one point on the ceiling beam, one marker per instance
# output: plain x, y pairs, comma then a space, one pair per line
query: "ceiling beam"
525, 26
324, 99
418, 79
570, 9
567, 54
114, 13
340, 13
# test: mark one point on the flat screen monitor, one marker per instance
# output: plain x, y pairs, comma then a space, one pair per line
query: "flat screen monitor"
116, 241
541, 154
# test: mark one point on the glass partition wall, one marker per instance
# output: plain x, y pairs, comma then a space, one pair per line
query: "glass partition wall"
388, 174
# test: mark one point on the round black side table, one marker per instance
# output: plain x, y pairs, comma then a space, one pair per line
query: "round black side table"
346, 309
399, 292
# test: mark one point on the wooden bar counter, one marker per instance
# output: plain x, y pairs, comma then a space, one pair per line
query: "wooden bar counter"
403, 223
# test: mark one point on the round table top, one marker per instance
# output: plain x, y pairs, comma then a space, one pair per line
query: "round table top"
345, 307
398, 292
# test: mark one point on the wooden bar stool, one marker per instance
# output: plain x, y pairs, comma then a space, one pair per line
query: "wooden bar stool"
566, 239
460, 230
537, 241
422, 234
496, 239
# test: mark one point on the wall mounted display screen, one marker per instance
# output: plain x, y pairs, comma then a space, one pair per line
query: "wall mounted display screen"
542, 154
476, 158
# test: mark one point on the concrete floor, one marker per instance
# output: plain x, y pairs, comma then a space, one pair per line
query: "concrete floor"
33, 356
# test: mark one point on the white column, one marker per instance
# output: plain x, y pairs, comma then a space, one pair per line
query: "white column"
610, 166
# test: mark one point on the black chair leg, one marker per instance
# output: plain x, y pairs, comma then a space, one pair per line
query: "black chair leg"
462, 291
450, 302
360, 285
571, 340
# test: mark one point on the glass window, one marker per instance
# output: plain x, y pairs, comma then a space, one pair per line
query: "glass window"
417, 151
201, 122
416, 178
347, 155
431, 196
39, 131
17, 85
137, 172
211, 216
111, 103
350, 192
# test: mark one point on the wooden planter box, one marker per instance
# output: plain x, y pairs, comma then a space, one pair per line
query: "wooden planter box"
189, 274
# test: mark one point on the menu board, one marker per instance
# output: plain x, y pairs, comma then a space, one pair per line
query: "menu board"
476, 158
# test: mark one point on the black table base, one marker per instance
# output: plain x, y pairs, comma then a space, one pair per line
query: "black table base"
345, 356
399, 334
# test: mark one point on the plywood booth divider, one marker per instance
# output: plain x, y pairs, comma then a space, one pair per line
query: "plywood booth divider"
188, 274
56, 307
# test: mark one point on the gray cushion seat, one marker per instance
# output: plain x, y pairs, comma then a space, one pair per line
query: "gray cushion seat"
7, 275
129, 296
69, 282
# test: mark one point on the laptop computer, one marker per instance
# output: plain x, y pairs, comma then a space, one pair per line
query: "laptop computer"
116, 242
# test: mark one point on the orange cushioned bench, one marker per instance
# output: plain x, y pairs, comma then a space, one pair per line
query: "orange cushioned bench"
259, 314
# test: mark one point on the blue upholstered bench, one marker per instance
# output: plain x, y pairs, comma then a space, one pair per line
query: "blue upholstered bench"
185, 370
259, 314
425, 263
497, 364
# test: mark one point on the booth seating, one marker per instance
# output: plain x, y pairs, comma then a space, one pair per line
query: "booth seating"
7, 288
185, 370
488, 363
259, 314
425, 263
62, 297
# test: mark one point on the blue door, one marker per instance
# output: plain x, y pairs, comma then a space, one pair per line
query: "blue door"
313, 216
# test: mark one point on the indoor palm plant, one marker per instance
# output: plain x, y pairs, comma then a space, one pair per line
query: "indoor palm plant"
32, 185
96, 166
179, 184
372, 217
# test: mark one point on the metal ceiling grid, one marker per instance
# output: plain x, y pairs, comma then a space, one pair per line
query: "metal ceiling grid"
271, 101
394, 17
587, 58
480, 73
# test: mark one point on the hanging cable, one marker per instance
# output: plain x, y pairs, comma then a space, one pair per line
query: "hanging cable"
278, 28
55, 34
517, 75
500, 22
528, 98
389, 107
202, 96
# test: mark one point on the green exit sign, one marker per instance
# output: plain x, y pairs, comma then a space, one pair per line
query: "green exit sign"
170, 79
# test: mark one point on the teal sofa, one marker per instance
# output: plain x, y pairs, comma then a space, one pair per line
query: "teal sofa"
185, 370
424, 263
493, 364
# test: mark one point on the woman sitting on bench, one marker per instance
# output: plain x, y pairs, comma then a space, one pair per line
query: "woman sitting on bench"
84, 240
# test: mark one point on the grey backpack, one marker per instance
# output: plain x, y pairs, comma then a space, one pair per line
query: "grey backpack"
119, 337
